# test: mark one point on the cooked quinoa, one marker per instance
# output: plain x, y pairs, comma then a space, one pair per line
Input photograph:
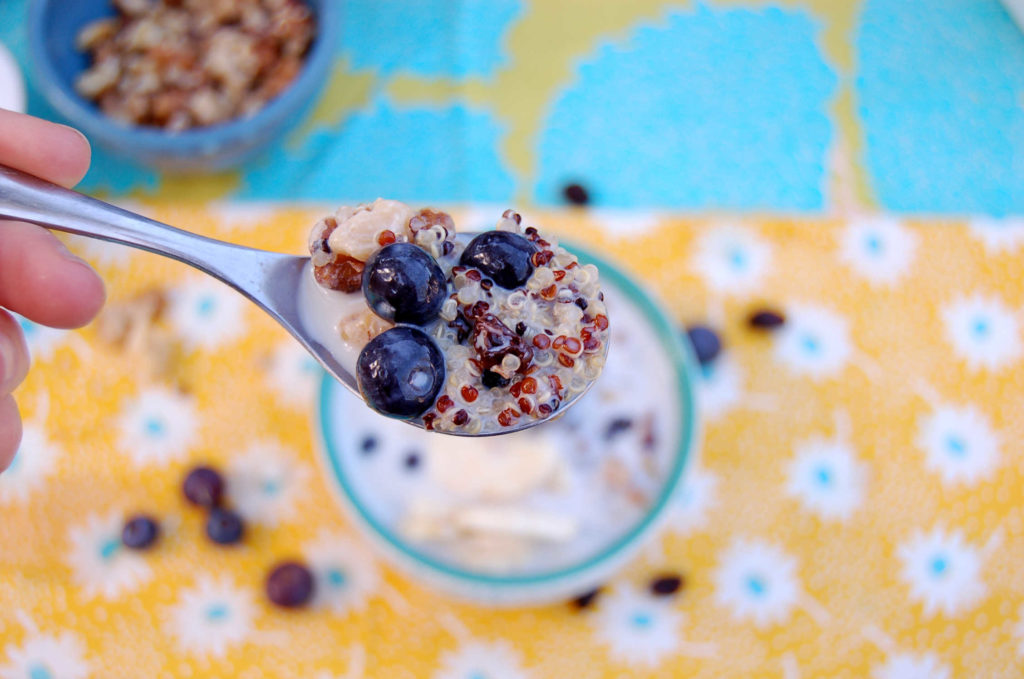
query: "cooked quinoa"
509, 353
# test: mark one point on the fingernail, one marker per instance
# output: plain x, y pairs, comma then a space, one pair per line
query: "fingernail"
62, 248
76, 131
6, 362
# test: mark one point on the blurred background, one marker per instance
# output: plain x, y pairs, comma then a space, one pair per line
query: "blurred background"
850, 172
787, 107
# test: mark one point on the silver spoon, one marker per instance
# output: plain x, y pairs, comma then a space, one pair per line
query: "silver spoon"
270, 279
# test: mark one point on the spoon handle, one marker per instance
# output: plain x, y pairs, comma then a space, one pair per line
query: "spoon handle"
31, 199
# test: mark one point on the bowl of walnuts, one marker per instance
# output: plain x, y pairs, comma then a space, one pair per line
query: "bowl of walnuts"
182, 84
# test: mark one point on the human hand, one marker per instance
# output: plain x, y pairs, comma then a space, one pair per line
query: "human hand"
39, 278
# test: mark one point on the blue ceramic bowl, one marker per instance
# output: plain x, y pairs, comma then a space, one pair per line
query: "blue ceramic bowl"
56, 63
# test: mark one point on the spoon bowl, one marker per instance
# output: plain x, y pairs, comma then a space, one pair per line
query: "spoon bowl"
272, 280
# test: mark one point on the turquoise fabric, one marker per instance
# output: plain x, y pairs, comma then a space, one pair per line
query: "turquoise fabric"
695, 107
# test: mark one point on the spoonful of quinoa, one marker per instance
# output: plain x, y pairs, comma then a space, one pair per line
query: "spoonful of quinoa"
466, 333
471, 334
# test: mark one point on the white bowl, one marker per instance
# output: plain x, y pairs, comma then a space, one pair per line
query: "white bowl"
373, 497
1016, 9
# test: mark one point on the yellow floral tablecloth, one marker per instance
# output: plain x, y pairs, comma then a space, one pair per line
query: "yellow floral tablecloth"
856, 509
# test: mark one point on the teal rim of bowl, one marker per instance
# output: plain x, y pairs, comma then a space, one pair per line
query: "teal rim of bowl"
685, 365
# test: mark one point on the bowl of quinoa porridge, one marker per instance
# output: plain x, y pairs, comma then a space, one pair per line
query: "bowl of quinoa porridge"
534, 516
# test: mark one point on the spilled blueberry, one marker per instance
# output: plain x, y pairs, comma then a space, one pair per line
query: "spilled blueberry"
706, 343
587, 599
224, 526
404, 284
412, 460
204, 487
290, 585
140, 532
667, 584
766, 319
576, 194
502, 256
400, 372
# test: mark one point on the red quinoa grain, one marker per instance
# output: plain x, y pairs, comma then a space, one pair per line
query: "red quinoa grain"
444, 403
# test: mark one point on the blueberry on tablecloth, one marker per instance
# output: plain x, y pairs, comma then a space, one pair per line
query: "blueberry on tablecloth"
204, 487
587, 599
140, 532
290, 585
576, 194
766, 319
667, 584
706, 343
224, 526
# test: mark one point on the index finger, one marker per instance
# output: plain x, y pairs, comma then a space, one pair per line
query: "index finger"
54, 152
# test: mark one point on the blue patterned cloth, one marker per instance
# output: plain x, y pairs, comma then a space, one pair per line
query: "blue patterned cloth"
688, 107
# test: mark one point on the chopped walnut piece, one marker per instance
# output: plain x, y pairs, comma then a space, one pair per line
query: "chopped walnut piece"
342, 273
434, 231
131, 328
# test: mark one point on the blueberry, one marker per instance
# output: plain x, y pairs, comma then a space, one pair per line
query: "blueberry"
706, 343
204, 487
224, 526
493, 379
412, 460
140, 532
617, 426
576, 194
290, 585
402, 283
400, 372
502, 256
587, 599
667, 584
766, 319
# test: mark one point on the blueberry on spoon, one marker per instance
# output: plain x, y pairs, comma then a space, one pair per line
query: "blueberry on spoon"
502, 256
403, 284
400, 372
